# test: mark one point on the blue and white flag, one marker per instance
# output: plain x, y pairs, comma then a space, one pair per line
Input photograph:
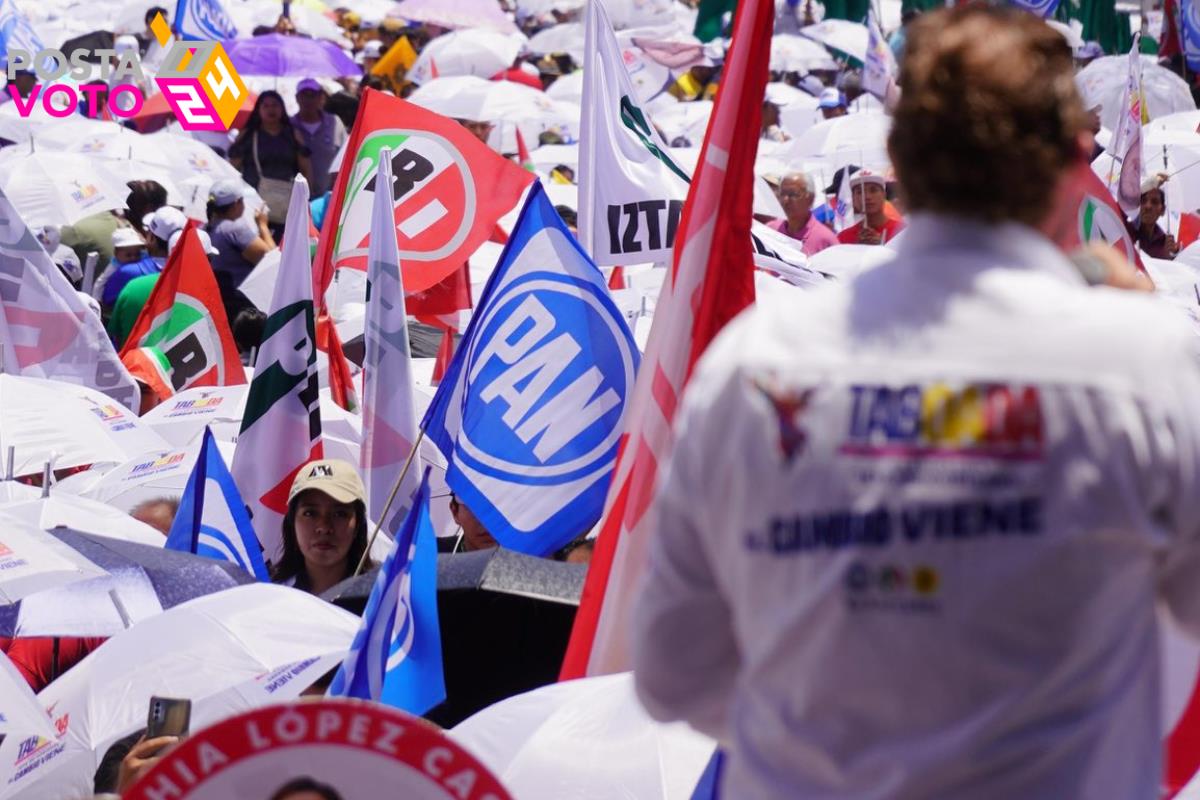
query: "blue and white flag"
16, 33
1043, 8
396, 656
203, 19
532, 407
212, 520
1189, 32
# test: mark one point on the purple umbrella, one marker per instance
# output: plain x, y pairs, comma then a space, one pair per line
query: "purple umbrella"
456, 14
295, 56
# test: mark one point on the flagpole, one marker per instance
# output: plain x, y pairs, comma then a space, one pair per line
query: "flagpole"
387, 506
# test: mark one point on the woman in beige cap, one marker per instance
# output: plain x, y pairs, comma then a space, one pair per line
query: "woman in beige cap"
325, 528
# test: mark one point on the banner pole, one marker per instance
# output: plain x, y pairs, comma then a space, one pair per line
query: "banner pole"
387, 506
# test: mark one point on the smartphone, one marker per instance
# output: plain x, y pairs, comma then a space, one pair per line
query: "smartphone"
168, 716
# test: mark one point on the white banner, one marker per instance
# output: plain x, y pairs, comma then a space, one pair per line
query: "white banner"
631, 188
46, 329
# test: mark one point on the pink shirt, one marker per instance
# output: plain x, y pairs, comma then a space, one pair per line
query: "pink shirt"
814, 236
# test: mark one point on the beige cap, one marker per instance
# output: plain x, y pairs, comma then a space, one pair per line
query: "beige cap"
336, 478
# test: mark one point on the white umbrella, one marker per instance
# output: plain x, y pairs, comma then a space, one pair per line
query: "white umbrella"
847, 260
471, 97
23, 715
32, 560
625, 14
616, 749
471, 51
686, 120
208, 650
568, 88
849, 38
52, 188
456, 14
854, 138
72, 425
183, 416
108, 141
148, 476
1102, 82
1179, 121
62, 510
765, 201
566, 37
19, 129
793, 53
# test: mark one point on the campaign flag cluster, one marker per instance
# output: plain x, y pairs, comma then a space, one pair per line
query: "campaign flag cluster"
396, 656
46, 329
631, 189
203, 19
212, 519
880, 70
281, 426
532, 406
182, 337
389, 414
448, 189
712, 279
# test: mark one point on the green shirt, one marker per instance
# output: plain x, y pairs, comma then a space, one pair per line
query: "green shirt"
93, 233
130, 303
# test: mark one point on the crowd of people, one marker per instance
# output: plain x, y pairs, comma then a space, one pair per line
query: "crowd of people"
1049, 526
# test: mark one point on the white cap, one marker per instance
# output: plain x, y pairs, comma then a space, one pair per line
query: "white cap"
205, 241
125, 42
165, 221
867, 176
126, 237
830, 98
372, 49
227, 191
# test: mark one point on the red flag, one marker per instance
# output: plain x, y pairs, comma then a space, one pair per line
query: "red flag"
182, 337
712, 279
440, 304
445, 355
1085, 212
1168, 37
449, 187
1189, 229
341, 383
617, 279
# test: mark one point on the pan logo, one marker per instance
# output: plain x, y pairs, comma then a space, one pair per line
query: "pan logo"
542, 395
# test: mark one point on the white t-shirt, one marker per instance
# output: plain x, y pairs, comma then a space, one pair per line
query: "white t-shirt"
915, 526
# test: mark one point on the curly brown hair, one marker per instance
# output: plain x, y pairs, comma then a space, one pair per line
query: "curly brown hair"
989, 116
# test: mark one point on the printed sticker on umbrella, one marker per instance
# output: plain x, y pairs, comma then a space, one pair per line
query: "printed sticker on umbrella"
353, 750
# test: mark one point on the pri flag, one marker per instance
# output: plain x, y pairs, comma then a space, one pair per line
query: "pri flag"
711, 281
631, 189
396, 656
281, 426
46, 329
212, 519
1085, 212
448, 188
389, 424
203, 19
530, 412
1127, 139
182, 338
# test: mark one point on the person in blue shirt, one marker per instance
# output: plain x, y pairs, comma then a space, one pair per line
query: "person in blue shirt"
129, 254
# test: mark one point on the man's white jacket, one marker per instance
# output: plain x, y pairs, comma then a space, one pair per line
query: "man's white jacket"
915, 527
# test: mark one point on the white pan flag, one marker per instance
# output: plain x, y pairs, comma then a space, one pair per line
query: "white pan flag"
46, 329
389, 427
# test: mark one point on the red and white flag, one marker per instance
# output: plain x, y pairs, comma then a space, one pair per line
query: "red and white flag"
712, 279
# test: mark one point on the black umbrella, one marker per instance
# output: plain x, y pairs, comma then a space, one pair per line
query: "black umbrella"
504, 617
142, 580
91, 42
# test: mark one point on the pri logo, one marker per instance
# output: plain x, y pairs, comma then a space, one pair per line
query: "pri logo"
199, 82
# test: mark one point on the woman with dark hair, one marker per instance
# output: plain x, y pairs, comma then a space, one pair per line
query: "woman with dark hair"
325, 528
269, 151
305, 789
